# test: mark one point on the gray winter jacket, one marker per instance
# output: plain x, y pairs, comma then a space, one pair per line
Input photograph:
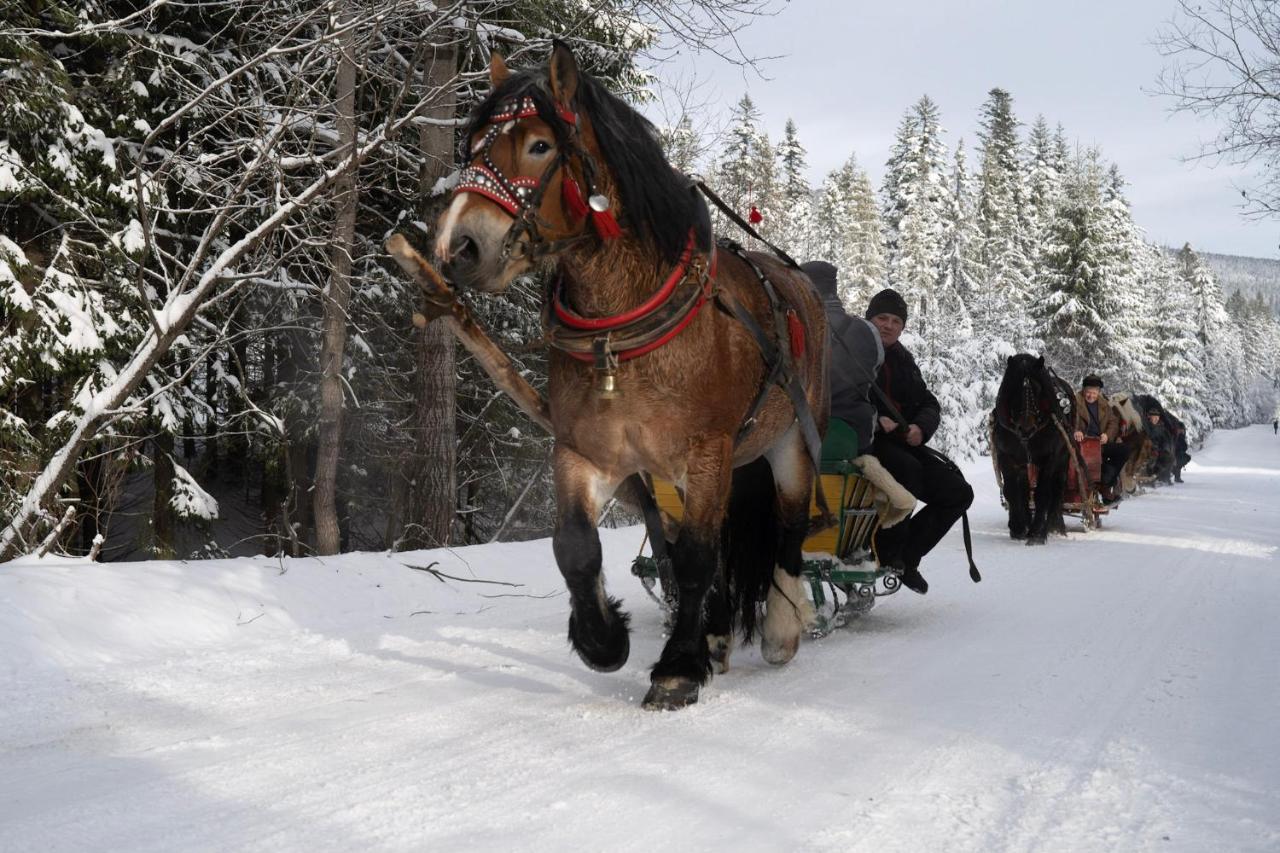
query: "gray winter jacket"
856, 355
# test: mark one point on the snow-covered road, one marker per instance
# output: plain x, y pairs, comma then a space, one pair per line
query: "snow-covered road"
1115, 692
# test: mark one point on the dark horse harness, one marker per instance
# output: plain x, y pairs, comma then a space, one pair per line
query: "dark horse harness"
606, 341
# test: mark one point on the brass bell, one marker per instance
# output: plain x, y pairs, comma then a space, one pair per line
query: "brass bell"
608, 389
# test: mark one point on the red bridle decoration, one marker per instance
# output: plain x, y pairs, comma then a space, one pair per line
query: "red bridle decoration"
513, 194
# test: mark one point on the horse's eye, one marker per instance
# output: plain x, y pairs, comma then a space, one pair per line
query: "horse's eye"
539, 147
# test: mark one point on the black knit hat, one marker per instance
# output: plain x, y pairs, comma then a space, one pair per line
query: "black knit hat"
1092, 381
823, 275
888, 301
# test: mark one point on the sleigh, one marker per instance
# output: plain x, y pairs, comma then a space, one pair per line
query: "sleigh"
839, 562
1083, 497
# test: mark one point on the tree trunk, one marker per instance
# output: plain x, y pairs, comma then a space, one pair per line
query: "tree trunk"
433, 499
334, 340
162, 544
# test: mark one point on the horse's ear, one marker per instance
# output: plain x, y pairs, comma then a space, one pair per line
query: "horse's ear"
564, 74
1040, 361
498, 72
1008, 363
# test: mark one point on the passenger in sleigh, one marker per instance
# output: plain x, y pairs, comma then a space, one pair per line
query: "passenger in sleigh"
908, 414
1096, 418
1162, 446
856, 355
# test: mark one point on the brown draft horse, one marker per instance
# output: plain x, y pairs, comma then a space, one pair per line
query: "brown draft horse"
640, 286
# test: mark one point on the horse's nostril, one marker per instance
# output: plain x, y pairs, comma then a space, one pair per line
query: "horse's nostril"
464, 251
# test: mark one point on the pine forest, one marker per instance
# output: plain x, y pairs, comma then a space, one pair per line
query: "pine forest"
205, 350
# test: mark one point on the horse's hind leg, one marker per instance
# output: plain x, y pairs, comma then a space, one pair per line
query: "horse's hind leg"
685, 662
597, 624
719, 629
787, 609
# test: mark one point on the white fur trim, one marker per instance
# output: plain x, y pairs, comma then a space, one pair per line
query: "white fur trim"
893, 502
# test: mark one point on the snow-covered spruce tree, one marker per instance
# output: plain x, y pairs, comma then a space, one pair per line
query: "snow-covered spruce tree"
1044, 178
1225, 382
1137, 318
1002, 308
1180, 384
915, 202
925, 223
1258, 330
1086, 262
795, 226
847, 233
745, 177
966, 377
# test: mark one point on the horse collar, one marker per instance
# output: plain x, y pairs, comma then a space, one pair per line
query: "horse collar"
605, 341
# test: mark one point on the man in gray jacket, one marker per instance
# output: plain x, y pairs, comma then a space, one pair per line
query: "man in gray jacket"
856, 354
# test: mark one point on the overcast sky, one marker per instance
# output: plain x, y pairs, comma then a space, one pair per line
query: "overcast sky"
848, 71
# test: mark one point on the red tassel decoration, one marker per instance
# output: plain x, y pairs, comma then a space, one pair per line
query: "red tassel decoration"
606, 226
796, 328
755, 216
572, 196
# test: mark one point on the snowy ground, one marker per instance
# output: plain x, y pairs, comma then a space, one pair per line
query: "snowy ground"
1114, 692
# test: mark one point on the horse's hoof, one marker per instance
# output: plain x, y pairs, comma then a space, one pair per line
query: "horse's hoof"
1017, 536
718, 650
778, 652
670, 694
603, 657
1036, 540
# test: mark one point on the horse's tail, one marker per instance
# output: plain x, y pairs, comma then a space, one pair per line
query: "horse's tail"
752, 537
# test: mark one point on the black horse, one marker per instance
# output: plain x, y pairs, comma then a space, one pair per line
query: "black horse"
1024, 433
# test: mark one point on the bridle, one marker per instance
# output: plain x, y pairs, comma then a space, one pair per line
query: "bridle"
602, 341
521, 196
1037, 414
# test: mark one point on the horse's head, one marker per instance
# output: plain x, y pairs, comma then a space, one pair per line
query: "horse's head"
553, 161
1026, 392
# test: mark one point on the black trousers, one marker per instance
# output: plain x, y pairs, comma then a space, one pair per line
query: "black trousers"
944, 492
1114, 455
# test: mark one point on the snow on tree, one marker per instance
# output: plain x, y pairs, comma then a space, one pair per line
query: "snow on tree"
915, 202
796, 208
1002, 307
1086, 264
746, 175
847, 233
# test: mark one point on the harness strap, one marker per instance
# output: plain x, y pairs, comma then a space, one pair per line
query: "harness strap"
778, 361
740, 222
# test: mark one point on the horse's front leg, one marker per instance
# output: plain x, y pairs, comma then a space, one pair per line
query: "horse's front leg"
1017, 491
788, 611
597, 623
685, 664
1046, 484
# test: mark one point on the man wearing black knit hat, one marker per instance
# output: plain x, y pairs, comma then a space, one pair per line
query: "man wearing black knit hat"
900, 447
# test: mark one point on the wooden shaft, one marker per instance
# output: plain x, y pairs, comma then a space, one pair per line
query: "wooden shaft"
469, 332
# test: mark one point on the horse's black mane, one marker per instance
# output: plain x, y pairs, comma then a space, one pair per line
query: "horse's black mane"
658, 203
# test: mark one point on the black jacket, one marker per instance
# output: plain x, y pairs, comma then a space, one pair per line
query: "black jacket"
901, 381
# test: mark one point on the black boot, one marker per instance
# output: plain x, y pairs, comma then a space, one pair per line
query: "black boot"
913, 580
